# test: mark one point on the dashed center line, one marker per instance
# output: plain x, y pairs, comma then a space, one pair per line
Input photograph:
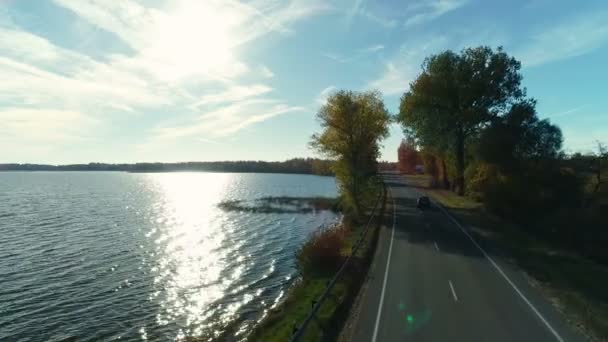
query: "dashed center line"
453, 291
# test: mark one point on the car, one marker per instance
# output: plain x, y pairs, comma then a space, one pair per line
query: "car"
423, 202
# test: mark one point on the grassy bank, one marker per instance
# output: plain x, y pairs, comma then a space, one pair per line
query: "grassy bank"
280, 322
575, 285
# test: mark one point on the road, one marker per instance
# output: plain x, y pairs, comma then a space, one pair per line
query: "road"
431, 280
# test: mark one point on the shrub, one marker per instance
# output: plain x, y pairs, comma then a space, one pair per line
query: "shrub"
322, 252
530, 193
478, 175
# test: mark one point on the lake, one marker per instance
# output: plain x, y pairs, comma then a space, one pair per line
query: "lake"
88, 256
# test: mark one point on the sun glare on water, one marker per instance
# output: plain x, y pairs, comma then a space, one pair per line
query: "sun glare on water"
188, 271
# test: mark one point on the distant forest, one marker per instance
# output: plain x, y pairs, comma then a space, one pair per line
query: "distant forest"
296, 165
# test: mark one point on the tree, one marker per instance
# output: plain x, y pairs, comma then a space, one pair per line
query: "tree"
600, 166
408, 156
456, 95
519, 137
353, 125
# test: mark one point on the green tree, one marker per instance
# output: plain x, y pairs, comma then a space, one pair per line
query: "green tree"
600, 166
353, 126
456, 95
519, 137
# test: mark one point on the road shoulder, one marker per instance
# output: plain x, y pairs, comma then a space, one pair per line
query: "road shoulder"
360, 306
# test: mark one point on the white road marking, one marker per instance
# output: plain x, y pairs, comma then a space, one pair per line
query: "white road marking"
453, 291
436, 247
388, 262
502, 273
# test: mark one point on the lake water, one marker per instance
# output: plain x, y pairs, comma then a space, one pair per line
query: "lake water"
89, 256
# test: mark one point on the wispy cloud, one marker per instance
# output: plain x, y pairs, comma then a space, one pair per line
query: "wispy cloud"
567, 112
39, 126
402, 68
265, 72
226, 120
430, 10
358, 9
387, 23
182, 57
374, 48
355, 55
575, 36
236, 93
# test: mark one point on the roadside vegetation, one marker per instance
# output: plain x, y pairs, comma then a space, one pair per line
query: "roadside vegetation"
501, 168
353, 125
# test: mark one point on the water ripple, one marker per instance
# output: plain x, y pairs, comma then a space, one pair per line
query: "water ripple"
102, 256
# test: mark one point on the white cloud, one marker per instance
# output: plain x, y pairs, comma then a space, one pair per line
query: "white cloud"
226, 120
82, 91
322, 97
395, 79
431, 10
354, 56
567, 112
576, 36
181, 57
265, 72
374, 48
38, 126
276, 110
236, 93
387, 23
358, 9
405, 65
335, 57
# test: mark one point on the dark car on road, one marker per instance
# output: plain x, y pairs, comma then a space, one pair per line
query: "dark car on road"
423, 202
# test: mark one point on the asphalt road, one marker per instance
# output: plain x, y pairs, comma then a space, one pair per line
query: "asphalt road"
432, 280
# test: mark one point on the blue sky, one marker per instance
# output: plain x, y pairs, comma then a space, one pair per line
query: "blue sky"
125, 81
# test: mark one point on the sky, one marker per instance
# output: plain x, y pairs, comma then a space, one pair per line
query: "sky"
201, 80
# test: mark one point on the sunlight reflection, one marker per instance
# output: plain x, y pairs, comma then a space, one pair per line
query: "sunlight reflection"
188, 241
209, 268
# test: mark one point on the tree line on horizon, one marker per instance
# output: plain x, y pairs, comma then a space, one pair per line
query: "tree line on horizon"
314, 166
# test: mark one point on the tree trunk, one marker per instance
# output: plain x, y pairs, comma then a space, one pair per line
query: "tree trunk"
460, 163
355, 189
444, 175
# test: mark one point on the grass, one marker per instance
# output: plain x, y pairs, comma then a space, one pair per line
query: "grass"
281, 205
280, 322
575, 285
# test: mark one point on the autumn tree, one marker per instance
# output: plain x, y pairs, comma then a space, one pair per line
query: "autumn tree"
353, 126
408, 156
456, 95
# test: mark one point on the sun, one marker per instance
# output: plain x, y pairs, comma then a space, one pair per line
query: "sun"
196, 37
